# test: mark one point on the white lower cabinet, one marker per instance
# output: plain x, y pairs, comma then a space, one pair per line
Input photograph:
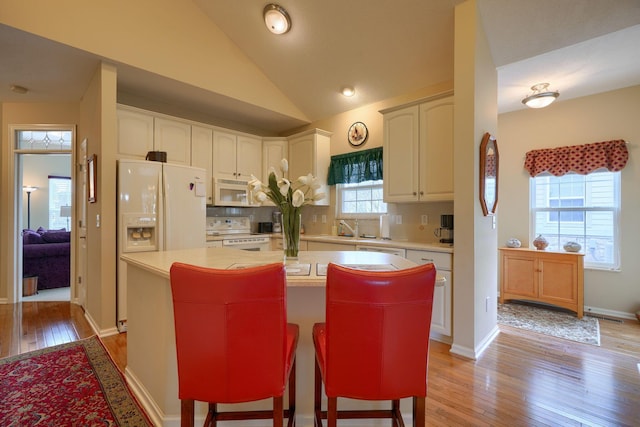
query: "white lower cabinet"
277, 245
441, 315
328, 246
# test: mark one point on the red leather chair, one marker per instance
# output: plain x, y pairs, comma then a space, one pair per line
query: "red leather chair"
233, 341
375, 342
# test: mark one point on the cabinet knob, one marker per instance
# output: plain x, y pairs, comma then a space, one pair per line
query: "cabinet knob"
422, 193
415, 194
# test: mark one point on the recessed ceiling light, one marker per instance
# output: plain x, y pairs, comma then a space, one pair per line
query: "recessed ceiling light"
276, 18
348, 91
541, 96
19, 89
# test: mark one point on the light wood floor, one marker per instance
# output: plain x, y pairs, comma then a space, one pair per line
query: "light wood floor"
522, 379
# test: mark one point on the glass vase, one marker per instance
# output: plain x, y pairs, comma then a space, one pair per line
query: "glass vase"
291, 221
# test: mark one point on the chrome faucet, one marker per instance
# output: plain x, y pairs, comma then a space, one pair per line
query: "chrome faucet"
354, 230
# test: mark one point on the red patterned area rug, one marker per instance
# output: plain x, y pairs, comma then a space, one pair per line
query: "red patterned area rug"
73, 384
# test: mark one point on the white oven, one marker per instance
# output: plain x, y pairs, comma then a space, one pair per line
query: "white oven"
248, 243
235, 232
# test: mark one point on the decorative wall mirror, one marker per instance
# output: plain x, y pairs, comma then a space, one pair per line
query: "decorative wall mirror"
92, 179
488, 174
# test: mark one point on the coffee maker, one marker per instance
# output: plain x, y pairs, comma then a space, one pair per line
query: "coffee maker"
445, 232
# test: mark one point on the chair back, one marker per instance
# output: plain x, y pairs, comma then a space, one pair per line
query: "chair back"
230, 328
377, 326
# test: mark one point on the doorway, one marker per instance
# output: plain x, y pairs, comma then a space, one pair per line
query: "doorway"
44, 197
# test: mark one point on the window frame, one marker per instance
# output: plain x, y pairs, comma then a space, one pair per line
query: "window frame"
359, 215
587, 209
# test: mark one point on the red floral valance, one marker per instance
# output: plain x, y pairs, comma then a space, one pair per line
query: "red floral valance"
581, 159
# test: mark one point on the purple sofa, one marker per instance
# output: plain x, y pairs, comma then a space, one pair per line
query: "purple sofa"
47, 254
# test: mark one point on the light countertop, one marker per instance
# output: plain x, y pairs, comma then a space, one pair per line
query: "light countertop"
313, 262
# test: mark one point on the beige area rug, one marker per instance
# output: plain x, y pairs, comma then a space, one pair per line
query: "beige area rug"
554, 322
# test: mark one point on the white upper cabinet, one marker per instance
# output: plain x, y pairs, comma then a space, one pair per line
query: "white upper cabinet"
202, 154
273, 151
224, 155
249, 157
310, 152
235, 156
141, 131
174, 137
135, 133
418, 152
400, 155
436, 150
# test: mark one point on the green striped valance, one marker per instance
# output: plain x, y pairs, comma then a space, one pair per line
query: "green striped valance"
351, 168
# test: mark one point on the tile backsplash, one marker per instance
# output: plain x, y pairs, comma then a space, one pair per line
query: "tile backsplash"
406, 219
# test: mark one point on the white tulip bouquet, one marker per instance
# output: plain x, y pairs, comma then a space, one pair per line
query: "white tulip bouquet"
289, 197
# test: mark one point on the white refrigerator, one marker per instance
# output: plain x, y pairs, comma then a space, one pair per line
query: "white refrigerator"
160, 207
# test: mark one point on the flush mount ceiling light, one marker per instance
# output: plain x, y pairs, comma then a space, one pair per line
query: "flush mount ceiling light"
276, 18
541, 96
348, 91
19, 89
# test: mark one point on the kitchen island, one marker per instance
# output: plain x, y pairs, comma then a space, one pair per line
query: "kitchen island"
151, 356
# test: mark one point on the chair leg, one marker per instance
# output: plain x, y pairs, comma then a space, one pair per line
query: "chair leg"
278, 408
396, 415
212, 416
187, 413
332, 411
292, 396
317, 396
419, 415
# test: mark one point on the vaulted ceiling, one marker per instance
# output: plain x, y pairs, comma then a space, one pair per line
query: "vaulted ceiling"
382, 48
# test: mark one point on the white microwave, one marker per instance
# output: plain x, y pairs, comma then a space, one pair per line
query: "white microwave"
230, 192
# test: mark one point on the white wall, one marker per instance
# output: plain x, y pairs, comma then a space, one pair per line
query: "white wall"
475, 259
602, 117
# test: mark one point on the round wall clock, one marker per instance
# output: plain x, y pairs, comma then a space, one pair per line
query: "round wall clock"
358, 134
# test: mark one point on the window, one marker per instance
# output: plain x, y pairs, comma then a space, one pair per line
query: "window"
360, 200
59, 202
580, 208
48, 138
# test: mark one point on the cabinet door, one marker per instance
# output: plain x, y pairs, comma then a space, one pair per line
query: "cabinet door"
174, 137
224, 155
327, 246
436, 150
441, 313
401, 155
519, 276
277, 245
301, 156
248, 157
135, 134
311, 153
558, 278
273, 151
202, 154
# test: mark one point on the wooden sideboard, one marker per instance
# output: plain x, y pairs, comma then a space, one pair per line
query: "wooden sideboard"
555, 278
